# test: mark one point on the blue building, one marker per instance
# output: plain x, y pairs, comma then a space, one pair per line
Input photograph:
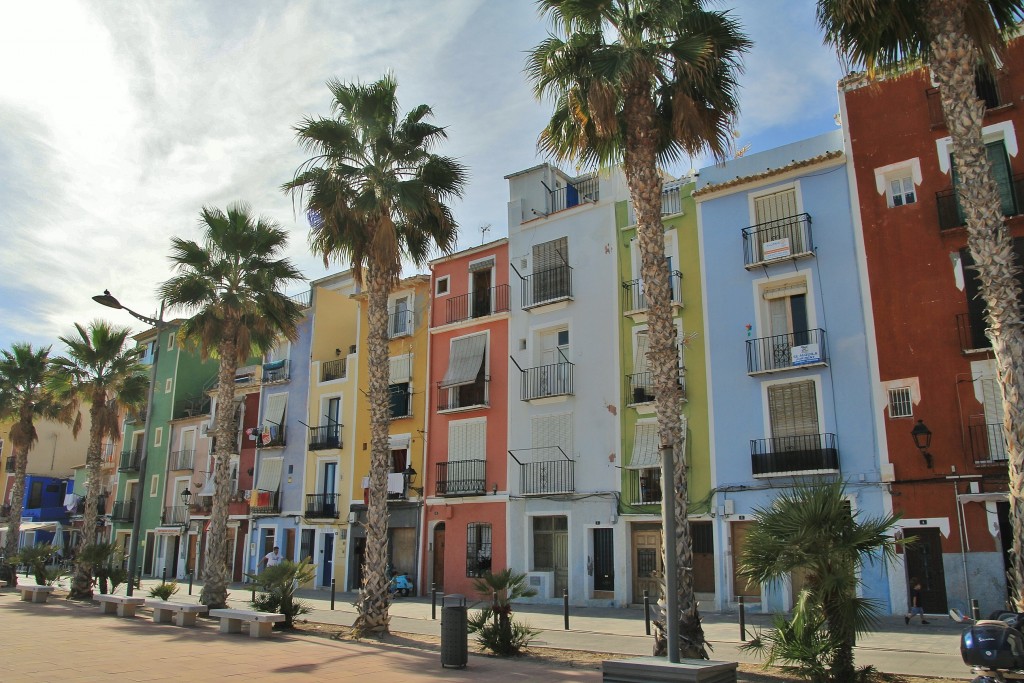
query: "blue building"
45, 515
787, 352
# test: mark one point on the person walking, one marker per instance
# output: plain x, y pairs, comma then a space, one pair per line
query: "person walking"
915, 603
271, 559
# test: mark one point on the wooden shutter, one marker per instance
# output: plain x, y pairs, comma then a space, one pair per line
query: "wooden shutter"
551, 254
548, 431
793, 409
774, 206
467, 440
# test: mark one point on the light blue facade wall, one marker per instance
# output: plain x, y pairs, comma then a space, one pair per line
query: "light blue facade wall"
735, 299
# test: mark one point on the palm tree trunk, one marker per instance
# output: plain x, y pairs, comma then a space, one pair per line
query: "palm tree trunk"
954, 57
81, 586
640, 164
215, 571
17, 504
374, 601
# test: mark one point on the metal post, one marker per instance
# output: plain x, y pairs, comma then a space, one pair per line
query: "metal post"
332, 595
647, 613
975, 610
743, 621
190, 583
565, 607
163, 575
252, 593
668, 516
433, 602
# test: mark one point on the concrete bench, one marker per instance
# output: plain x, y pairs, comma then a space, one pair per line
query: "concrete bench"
182, 613
660, 670
122, 604
35, 593
260, 623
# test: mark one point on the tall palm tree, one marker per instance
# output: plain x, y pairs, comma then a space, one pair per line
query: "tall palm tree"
101, 368
232, 284
24, 398
642, 83
954, 38
375, 193
810, 529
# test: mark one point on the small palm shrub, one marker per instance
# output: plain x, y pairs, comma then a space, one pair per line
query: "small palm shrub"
164, 591
494, 626
277, 585
35, 558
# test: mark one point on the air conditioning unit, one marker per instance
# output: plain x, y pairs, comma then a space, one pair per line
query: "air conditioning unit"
542, 582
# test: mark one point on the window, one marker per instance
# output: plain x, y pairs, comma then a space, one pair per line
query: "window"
158, 436
550, 543
951, 213
154, 485
480, 282
441, 286
551, 279
900, 403
478, 549
467, 440
901, 191
779, 231
786, 316
168, 385
401, 318
399, 376
465, 381
551, 436
793, 411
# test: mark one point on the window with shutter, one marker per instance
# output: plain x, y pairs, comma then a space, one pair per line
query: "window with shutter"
467, 440
775, 215
793, 411
550, 270
550, 432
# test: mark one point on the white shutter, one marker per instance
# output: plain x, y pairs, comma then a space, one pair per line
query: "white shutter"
646, 447
276, 404
549, 431
401, 369
551, 254
640, 361
467, 440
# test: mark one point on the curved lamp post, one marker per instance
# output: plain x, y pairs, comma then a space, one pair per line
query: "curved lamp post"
108, 300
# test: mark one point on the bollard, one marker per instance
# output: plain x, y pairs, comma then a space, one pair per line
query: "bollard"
433, 602
743, 621
494, 606
163, 575
253, 597
647, 613
332, 595
565, 607
190, 583
975, 610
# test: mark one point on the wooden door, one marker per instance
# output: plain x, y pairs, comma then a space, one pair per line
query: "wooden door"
924, 563
702, 536
560, 554
439, 557
403, 550
647, 561
740, 585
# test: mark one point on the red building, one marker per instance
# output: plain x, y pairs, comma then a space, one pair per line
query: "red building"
935, 367
466, 474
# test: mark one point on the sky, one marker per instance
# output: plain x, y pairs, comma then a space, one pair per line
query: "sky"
121, 119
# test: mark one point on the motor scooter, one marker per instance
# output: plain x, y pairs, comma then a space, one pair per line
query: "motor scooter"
993, 647
401, 585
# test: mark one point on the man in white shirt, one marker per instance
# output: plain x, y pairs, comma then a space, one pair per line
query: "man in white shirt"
272, 559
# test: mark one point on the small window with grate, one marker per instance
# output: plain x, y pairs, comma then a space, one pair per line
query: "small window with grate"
900, 403
478, 549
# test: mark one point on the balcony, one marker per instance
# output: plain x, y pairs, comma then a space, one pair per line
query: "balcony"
325, 436
988, 445
107, 450
544, 470
643, 487
10, 466
303, 300
639, 388
191, 407
124, 511
333, 369
546, 287
265, 502
400, 324
792, 455
671, 202
322, 505
786, 351
573, 194
182, 460
633, 298
951, 216
130, 460
462, 397
461, 478
276, 371
478, 304
782, 239
973, 338
399, 401
546, 381
274, 438
175, 515
993, 89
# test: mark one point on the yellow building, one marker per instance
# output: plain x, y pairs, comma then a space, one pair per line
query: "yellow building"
331, 417
408, 322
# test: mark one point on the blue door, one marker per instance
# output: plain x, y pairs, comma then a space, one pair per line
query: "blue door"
328, 561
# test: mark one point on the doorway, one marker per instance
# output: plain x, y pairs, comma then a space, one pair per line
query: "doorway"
924, 563
439, 557
740, 584
604, 561
481, 292
327, 570
702, 537
647, 562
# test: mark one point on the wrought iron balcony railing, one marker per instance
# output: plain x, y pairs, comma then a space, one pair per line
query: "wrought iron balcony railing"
573, 194
272, 438
400, 323
325, 436
787, 351
634, 299
333, 369
993, 89
952, 216
175, 515
988, 445
400, 401
547, 286
789, 455
182, 460
639, 388
463, 396
322, 505
972, 337
777, 240
550, 476
192, 406
124, 511
130, 460
275, 371
478, 304
461, 478
304, 299
643, 487
546, 380
265, 502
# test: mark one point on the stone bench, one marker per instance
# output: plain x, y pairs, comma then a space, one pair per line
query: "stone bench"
260, 623
35, 593
183, 614
122, 604
660, 670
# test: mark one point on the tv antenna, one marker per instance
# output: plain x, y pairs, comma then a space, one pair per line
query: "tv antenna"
484, 229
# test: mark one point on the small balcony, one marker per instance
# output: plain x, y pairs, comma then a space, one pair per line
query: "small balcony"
322, 505
324, 437
544, 470
462, 397
992, 88
191, 407
303, 300
643, 487
182, 460
10, 465
265, 502
546, 381
107, 450
580, 191
175, 515
782, 239
547, 287
400, 324
124, 511
399, 401
478, 304
635, 301
271, 438
952, 216
130, 461
461, 478
333, 369
792, 455
786, 351
973, 338
276, 371
988, 445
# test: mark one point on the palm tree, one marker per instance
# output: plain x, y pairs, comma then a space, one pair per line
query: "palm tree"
232, 284
810, 529
101, 367
375, 193
24, 398
642, 83
955, 38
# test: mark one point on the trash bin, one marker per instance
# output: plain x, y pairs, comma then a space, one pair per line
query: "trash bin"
454, 632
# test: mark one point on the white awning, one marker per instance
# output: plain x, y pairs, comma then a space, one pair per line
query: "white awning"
645, 448
275, 409
994, 497
208, 488
396, 482
792, 289
464, 360
269, 476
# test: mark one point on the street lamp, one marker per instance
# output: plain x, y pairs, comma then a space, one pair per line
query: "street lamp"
410, 476
923, 440
108, 300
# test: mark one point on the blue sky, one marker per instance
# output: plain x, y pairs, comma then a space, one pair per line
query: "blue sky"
122, 119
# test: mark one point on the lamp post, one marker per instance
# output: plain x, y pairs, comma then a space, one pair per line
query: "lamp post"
186, 499
108, 300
